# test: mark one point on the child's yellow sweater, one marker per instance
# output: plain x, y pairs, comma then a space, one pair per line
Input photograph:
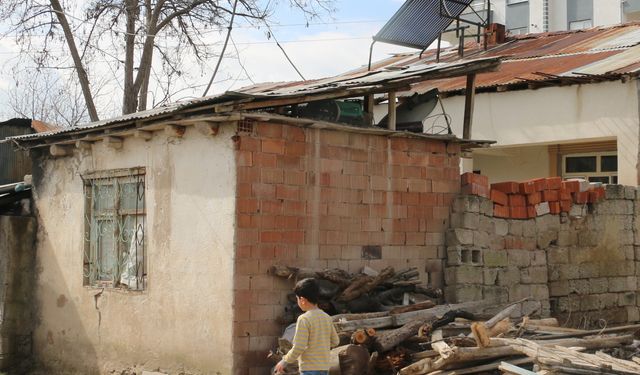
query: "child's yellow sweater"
315, 336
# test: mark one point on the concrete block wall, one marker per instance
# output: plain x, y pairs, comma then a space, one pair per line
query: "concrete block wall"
326, 198
17, 282
580, 267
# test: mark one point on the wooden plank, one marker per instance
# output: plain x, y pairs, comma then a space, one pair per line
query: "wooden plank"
391, 115
59, 150
469, 103
512, 369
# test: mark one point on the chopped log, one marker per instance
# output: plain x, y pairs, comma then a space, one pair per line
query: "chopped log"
510, 369
393, 338
404, 318
486, 368
501, 348
414, 307
431, 292
628, 328
548, 322
338, 276
365, 284
372, 363
505, 313
483, 335
440, 346
361, 337
361, 316
354, 360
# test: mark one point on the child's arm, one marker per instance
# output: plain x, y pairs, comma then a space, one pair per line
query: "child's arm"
335, 340
300, 341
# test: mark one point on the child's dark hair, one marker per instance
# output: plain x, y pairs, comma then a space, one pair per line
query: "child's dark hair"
309, 289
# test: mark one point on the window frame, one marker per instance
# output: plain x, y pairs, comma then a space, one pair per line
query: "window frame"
93, 273
613, 175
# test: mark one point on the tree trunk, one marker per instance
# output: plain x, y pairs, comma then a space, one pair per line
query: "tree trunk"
129, 96
82, 73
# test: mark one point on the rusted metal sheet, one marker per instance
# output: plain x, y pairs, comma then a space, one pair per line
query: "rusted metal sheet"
15, 164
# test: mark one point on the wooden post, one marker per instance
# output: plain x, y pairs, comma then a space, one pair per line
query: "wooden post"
391, 116
368, 109
470, 95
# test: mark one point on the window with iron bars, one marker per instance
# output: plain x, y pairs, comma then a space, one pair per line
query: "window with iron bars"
114, 243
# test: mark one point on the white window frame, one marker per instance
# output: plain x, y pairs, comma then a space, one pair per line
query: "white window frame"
126, 227
580, 24
586, 175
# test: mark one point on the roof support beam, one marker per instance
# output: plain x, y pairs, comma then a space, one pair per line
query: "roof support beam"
174, 130
60, 150
469, 102
84, 145
391, 116
208, 128
113, 142
143, 134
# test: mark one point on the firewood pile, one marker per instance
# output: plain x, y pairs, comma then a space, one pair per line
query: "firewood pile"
418, 336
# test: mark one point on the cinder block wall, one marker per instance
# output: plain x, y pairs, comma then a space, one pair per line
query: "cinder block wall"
314, 198
580, 267
17, 282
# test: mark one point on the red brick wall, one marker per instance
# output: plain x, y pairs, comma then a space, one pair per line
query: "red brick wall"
314, 198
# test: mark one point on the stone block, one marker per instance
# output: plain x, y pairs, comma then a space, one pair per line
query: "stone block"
463, 293
534, 275
466, 203
490, 276
495, 258
614, 192
557, 255
580, 286
455, 255
598, 301
630, 192
625, 238
618, 268
627, 299
589, 238
529, 229
589, 270
515, 227
495, 293
563, 272
481, 239
486, 224
538, 258
633, 314
578, 210
518, 258
540, 292
459, 236
622, 284
567, 238
599, 285
531, 308
569, 303
497, 242
547, 222
467, 220
518, 292
501, 227
463, 275
486, 207
508, 276
629, 252
546, 239
559, 288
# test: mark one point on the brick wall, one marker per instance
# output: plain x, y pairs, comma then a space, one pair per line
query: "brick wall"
315, 198
580, 266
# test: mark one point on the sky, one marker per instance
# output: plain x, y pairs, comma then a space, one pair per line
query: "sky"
335, 43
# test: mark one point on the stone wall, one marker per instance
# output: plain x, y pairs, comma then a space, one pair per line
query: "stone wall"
580, 267
17, 282
322, 199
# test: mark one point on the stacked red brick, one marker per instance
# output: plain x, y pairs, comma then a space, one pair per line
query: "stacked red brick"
528, 199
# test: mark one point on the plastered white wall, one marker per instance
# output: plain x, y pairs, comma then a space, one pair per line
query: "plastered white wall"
536, 17
558, 15
183, 320
607, 12
513, 164
577, 113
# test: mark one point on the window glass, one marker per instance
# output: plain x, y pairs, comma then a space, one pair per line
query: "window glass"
579, 14
517, 17
578, 164
609, 163
603, 179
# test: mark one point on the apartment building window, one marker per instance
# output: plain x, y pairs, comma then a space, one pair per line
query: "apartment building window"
517, 16
114, 246
594, 167
579, 14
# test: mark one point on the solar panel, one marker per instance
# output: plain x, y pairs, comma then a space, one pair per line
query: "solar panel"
418, 23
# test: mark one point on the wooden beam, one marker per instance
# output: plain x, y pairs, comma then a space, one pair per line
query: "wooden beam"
391, 115
174, 130
208, 128
84, 145
113, 142
143, 134
368, 109
469, 102
59, 150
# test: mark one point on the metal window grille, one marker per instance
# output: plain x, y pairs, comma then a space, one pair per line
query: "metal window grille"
245, 126
114, 243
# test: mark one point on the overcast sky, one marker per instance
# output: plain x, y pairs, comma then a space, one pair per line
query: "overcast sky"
329, 46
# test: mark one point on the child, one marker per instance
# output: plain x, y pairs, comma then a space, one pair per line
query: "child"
315, 333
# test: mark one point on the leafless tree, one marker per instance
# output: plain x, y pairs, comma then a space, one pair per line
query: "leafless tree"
46, 96
127, 34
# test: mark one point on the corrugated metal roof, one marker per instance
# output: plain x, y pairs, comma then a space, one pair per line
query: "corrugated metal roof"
418, 23
598, 54
341, 86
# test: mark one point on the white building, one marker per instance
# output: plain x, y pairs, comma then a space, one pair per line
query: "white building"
538, 16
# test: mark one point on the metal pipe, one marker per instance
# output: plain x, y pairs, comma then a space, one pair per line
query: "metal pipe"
370, 54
